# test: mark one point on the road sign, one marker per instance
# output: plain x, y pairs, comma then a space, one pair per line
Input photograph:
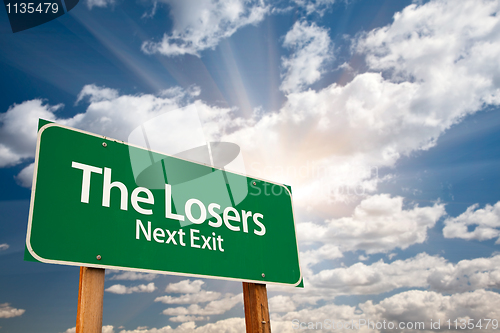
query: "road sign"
89, 208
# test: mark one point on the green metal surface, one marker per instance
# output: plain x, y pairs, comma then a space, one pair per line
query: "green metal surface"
64, 229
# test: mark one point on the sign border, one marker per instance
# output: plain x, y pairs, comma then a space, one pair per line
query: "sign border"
71, 263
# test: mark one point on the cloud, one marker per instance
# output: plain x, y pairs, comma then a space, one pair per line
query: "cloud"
281, 303
198, 297
378, 277
434, 65
200, 25
421, 271
414, 306
108, 113
230, 325
4, 246
96, 94
25, 177
185, 287
315, 6
121, 289
18, 130
466, 275
6, 311
486, 221
99, 3
132, 276
213, 308
311, 47
379, 224
422, 306
105, 329
183, 319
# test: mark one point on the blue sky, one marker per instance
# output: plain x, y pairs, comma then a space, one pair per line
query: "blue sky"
389, 109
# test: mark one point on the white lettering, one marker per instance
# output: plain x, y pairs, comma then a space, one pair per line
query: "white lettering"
87, 171
146, 234
259, 223
193, 237
135, 199
106, 190
189, 214
168, 205
228, 218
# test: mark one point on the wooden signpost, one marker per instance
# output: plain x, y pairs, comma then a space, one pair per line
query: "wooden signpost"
131, 208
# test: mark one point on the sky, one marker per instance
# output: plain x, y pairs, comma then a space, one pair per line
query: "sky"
381, 116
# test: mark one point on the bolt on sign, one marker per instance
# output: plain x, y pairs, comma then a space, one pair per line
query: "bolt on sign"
89, 208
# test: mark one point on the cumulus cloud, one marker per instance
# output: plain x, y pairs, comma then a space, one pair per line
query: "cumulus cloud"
132, 276
121, 289
4, 246
414, 306
213, 308
378, 277
311, 50
281, 303
200, 25
315, 6
198, 297
231, 325
18, 130
105, 329
185, 287
378, 224
421, 271
486, 222
108, 113
6, 311
99, 3
25, 177
427, 70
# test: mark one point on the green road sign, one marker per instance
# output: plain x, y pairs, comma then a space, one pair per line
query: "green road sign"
100, 202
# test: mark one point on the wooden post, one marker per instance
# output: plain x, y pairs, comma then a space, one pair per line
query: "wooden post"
256, 308
90, 297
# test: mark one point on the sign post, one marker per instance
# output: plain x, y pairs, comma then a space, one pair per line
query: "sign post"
102, 203
256, 308
90, 300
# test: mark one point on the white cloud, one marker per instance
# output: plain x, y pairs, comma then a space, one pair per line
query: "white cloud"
466, 275
486, 221
6, 311
185, 287
213, 308
4, 246
183, 318
311, 47
99, 3
105, 329
97, 94
198, 297
378, 277
412, 306
108, 114
422, 271
230, 325
25, 177
18, 130
422, 306
121, 289
132, 276
378, 224
435, 64
315, 6
281, 303
202, 24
